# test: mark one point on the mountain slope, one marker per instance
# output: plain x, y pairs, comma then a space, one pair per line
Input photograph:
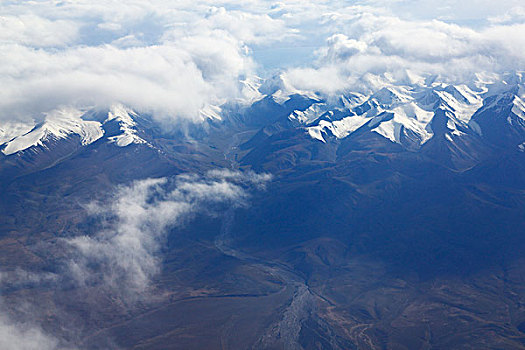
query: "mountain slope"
394, 218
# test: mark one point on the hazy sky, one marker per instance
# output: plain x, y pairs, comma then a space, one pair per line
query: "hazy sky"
172, 58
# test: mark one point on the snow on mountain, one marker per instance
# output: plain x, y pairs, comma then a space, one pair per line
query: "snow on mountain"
124, 117
309, 115
62, 123
392, 95
460, 101
339, 128
407, 112
409, 116
58, 124
518, 107
211, 112
281, 90
10, 130
400, 113
351, 100
251, 89
396, 102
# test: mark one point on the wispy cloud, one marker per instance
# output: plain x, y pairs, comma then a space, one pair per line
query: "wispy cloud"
122, 259
20, 332
24, 336
126, 255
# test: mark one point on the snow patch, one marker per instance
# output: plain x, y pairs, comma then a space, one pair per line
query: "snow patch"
390, 130
127, 125
11, 130
339, 128
410, 117
451, 125
413, 110
463, 110
518, 107
251, 90
392, 95
280, 97
308, 115
316, 133
211, 112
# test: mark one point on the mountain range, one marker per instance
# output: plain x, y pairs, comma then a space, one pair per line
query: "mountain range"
389, 217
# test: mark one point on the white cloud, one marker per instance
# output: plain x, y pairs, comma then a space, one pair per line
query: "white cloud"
246, 178
124, 257
23, 336
168, 58
174, 57
23, 278
514, 15
168, 80
36, 31
473, 12
372, 43
20, 333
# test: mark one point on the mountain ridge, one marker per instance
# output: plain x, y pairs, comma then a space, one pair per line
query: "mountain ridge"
367, 234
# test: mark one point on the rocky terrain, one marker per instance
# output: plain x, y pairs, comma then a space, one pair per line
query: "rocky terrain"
392, 219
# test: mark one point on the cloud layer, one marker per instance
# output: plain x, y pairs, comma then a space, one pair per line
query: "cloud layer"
22, 336
170, 59
373, 44
174, 58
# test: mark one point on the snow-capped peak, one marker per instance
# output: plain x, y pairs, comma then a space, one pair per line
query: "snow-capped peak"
58, 124
124, 116
460, 101
393, 111
67, 121
9, 130
303, 117
391, 95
